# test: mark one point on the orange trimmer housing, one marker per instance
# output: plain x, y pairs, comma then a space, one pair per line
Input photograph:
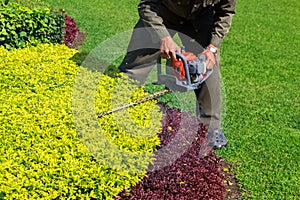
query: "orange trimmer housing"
178, 64
186, 72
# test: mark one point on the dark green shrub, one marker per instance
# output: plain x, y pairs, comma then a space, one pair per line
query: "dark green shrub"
28, 3
41, 153
20, 25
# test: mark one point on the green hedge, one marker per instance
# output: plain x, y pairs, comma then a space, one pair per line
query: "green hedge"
43, 154
28, 3
20, 25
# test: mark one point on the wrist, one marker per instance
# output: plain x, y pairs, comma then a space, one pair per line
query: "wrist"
212, 48
166, 38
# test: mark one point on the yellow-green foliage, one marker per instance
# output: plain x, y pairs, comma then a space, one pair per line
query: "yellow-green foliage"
41, 155
135, 128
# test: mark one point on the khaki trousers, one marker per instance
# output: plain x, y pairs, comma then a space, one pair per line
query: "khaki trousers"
143, 52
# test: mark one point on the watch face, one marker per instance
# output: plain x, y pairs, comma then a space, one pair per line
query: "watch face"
212, 49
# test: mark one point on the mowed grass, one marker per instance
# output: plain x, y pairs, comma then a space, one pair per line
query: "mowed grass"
261, 78
99, 19
261, 74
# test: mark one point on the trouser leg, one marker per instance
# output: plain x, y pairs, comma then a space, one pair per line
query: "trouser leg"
138, 64
209, 98
142, 54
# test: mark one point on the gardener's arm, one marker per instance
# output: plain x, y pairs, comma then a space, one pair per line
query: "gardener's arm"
149, 14
224, 11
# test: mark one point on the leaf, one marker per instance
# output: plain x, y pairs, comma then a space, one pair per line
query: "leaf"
23, 34
225, 169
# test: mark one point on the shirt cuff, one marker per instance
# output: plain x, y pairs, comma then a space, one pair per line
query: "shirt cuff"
216, 41
162, 32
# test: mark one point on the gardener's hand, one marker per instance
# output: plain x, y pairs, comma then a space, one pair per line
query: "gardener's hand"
210, 57
168, 48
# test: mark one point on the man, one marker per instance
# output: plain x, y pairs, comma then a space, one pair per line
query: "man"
201, 26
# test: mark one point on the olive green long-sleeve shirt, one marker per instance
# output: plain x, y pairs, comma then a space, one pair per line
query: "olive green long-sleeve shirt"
188, 9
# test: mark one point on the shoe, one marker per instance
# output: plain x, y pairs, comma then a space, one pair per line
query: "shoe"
217, 139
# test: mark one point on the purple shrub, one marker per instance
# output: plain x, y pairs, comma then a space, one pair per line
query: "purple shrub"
71, 30
184, 168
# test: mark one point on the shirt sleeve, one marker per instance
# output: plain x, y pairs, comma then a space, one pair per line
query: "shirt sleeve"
148, 13
224, 11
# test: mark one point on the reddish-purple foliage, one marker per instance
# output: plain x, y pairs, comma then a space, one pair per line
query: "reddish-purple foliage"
185, 167
71, 30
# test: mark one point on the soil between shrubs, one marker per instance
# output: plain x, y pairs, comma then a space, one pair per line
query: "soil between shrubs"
185, 167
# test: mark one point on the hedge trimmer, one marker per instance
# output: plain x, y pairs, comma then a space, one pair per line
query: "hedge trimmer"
186, 72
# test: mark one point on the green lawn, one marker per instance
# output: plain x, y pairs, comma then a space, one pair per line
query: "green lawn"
261, 77
260, 69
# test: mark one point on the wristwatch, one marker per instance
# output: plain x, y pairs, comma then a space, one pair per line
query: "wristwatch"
214, 50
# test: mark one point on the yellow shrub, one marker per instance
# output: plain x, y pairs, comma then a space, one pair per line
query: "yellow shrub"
43, 154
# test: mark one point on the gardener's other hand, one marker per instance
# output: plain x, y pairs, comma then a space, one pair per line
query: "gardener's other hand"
210, 57
168, 48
